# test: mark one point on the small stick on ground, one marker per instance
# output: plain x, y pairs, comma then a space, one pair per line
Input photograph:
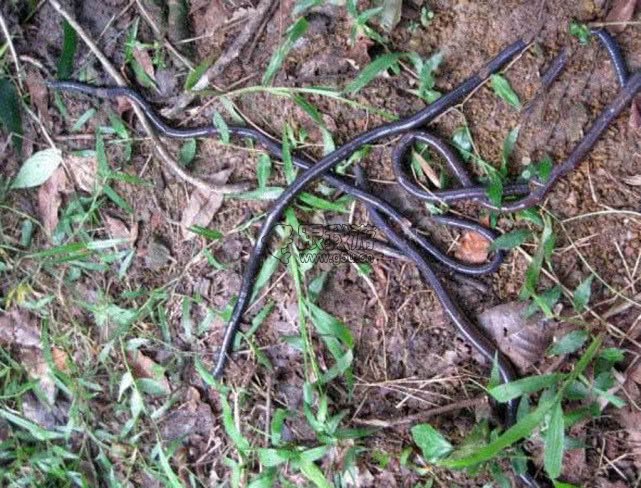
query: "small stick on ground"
14, 55
422, 416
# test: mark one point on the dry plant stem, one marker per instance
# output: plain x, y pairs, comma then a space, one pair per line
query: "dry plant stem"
12, 49
161, 150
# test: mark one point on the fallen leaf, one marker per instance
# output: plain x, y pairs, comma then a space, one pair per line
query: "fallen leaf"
472, 248
202, 207
46, 416
19, 329
634, 122
39, 95
427, 169
117, 229
523, 340
82, 171
143, 58
391, 14
621, 11
631, 421
145, 367
633, 180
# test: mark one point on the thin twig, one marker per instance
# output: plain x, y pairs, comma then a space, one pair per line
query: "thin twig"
161, 150
12, 49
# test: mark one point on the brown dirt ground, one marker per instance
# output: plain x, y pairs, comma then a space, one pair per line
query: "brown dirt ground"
414, 341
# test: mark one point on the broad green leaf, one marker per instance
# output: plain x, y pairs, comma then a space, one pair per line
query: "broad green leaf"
187, 152
580, 31
462, 140
10, 117
274, 457
581, 295
38, 168
504, 91
69, 44
278, 420
221, 125
327, 324
431, 442
380, 64
510, 240
569, 343
554, 440
514, 389
294, 32
126, 381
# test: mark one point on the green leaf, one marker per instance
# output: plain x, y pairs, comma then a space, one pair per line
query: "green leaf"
221, 125
38, 168
391, 14
313, 473
581, 295
380, 64
554, 440
510, 240
294, 32
212, 235
580, 31
173, 480
508, 148
518, 431
196, 73
514, 389
34, 429
504, 91
569, 343
83, 119
263, 170
10, 117
240, 441
69, 45
431, 442
274, 457
266, 193
495, 187
328, 325
187, 152
462, 139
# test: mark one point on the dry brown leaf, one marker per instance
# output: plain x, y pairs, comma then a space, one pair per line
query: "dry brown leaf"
621, 11
82, 171
472, 248
145, 367
201, 208
523, 340
633, 180
631, 420
143, 58
117, 229
634, 122
19, 329
427, 169
39, 95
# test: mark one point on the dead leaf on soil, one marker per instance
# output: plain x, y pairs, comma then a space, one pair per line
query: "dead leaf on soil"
634, 122
39, 95
472, 248
633, 180
81, 170
523, 340
117, 229
201, 208
631, 421
621, 11
19, 329
145, 367
143, 58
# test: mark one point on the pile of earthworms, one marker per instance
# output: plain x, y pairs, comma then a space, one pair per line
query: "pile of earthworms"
388, 220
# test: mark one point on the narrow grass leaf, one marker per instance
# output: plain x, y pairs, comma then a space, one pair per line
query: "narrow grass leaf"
581, 295
83, 119
514, 389
504, 91
34, 429
510, 240
554, 441
221, 125
313, 473
569, 343
38, 168
10, 117
241, 443
197, 73
69, 45
372, 70
518, 431
173, 480
295, 32
431, 442
263, 170
508, 148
